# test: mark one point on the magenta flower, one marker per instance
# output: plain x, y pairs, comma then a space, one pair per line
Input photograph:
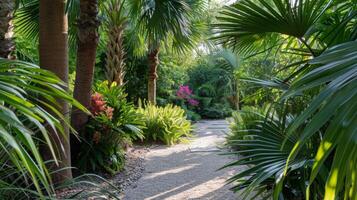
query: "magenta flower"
184, 92
193, 102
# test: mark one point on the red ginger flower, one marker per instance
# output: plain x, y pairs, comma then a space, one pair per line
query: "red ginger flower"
97, 104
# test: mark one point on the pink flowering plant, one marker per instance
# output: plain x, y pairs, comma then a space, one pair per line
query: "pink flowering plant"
185, 93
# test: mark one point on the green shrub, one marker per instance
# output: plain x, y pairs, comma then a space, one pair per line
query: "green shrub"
191, 115
113, 127
166, 124
217, 111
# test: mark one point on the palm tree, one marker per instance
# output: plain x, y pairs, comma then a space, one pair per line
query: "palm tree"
53, 49
88, 37
7, 45
115, 23
328, 46
171, 22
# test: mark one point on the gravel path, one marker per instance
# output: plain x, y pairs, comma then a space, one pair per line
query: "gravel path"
186, 171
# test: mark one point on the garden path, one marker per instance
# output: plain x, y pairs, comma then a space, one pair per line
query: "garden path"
187, 171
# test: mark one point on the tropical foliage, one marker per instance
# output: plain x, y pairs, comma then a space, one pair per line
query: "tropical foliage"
215, 85
284, 71
165, 124
321, 82
26, 91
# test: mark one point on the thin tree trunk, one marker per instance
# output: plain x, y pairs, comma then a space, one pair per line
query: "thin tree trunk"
7, 45
237, 95
88, 24
54, 57
153, 59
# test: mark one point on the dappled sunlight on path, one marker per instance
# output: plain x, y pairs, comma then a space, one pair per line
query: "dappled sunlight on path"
187, 171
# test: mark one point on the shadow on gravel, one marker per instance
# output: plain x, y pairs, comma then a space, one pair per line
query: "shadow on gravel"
192, 172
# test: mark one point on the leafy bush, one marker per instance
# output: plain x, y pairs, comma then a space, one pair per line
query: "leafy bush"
217, 111
166, 124
214, 84
191, 115
113, 127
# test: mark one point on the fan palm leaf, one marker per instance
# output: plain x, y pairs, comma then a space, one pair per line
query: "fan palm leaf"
247, 22
173, 21
259, 147
27, 20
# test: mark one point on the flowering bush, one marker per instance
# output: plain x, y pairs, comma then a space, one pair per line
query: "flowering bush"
113, 126
193, 102
185, 93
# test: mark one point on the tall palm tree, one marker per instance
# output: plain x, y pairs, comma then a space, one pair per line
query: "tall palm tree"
88, 38
53, 49
7, 45
169, 21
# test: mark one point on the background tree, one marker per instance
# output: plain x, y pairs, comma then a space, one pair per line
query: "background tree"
7, 8
53, 50
174, 22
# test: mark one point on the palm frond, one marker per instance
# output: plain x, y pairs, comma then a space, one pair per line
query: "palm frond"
259, 147
248, 22
169, 19
27, 20
335, 106
26, 93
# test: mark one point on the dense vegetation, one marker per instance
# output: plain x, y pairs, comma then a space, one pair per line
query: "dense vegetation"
298, 143
113, 73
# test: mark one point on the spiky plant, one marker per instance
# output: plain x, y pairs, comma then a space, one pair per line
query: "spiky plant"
116, 20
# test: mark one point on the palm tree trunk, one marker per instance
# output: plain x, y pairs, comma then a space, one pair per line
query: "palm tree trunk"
153, 59
115, 65
7, 45
86, 54
53, 46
